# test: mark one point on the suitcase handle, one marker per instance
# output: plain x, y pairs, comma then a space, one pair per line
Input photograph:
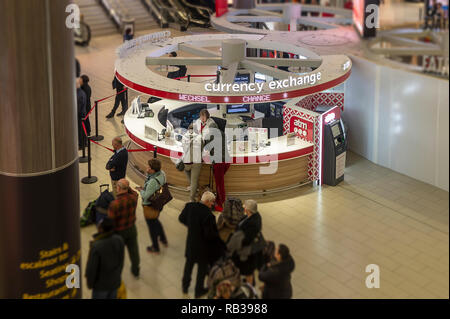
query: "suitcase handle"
103, 185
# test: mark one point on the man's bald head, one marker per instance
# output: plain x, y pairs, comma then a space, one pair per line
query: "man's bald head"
122, 186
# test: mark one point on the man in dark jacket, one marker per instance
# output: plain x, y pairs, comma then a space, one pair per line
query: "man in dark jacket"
117, 164
120, 98
277, 276
203, 244
81, 112
105, 262
87, 89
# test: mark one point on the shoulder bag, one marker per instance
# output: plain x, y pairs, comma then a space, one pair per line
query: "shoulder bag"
161, 197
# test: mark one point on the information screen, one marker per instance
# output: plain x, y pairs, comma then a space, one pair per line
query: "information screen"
238, 108
259, 77
335, 129
242, 78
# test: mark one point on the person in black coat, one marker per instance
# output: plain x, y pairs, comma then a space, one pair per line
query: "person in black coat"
120, 99
77, 68
203, 244
117, 164
105, 262
87, 89
277, 276
251, 226
81, 112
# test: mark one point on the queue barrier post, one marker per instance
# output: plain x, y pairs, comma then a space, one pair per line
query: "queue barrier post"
97, 137
89, 179
83, 158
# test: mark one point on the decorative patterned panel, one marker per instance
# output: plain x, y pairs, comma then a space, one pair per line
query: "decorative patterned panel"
323, 98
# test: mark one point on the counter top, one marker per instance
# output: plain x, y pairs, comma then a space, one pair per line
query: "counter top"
278, 149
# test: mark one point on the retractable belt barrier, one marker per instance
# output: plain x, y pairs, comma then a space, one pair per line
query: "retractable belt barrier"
90, 111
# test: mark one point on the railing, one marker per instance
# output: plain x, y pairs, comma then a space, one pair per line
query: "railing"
117, 11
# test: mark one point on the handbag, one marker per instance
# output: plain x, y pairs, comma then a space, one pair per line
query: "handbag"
150, 212
122, 291
258, 243
161, 197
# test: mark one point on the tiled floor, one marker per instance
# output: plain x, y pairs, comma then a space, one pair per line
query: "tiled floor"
376, 216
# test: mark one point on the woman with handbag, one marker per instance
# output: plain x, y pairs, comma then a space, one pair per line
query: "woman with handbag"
156, 178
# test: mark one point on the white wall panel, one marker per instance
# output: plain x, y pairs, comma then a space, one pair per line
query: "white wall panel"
399, 120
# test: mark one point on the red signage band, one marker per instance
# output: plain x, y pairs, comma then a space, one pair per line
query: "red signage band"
238, 99
236, 160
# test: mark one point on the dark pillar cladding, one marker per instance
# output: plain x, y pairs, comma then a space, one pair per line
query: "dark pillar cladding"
39, 192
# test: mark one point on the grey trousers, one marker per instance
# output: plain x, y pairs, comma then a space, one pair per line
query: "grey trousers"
193, 174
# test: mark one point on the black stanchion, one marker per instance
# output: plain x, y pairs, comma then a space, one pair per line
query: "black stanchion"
189, 78
97, 137
83, 158
155, 152
89, 179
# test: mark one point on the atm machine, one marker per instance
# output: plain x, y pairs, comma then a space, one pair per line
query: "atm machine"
334, 152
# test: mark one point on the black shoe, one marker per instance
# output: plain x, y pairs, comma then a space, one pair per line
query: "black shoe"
135, 274
199, 294
110, 115
152, 250
120, 114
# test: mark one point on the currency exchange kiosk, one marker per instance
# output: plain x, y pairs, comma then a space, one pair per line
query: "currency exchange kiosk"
334, 152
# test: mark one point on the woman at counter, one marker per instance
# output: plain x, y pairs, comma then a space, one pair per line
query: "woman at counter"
155, 179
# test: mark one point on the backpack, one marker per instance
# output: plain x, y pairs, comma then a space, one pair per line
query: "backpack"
88, 217
247, 291
233, 210
223, 269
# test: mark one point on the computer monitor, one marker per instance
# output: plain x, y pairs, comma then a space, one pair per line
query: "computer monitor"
259, 77
238, 108
242, 78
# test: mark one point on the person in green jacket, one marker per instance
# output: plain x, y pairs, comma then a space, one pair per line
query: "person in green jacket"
155, 179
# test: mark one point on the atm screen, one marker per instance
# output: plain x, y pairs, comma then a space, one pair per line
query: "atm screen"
238, 108
335, 129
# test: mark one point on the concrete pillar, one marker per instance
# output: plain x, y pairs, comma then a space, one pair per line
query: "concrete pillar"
291, 13
39, 188
233, 50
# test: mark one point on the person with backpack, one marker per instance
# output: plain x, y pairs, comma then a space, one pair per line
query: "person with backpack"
105, 262
203, 244
276, 276
225, 289
246, 244
155, 179
232, 214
